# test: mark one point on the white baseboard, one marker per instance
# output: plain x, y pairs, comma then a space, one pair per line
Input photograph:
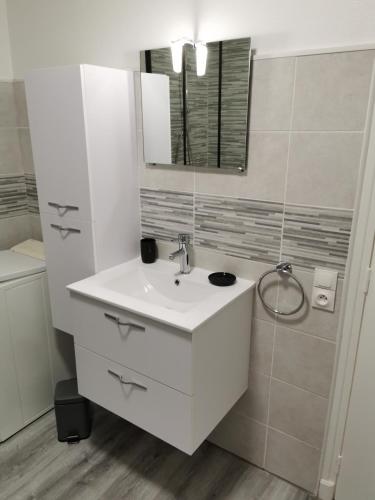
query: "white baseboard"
326, 489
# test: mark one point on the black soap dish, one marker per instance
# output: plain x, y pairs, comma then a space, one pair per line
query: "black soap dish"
222, 279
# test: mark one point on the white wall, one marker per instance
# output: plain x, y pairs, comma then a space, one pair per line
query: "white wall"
6, 71
111, 32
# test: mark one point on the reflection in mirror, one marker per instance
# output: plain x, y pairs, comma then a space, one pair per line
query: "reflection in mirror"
197, 120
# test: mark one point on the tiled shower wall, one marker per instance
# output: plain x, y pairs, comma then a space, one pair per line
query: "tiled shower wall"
19, 218
295, 202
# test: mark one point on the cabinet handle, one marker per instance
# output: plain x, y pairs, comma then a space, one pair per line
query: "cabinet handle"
126, 382
65, 207
117, 320
68, 229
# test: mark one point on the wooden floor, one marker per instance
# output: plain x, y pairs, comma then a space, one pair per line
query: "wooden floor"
121, 461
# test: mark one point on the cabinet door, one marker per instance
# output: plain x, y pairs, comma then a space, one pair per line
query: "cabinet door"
11, 419
57, 126
70, 257
29, 332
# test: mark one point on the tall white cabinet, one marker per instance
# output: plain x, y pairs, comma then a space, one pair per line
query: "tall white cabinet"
82, 123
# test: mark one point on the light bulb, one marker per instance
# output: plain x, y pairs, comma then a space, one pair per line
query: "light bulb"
201, 57
176, 48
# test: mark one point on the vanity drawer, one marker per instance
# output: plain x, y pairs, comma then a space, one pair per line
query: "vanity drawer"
156, 350
152, 406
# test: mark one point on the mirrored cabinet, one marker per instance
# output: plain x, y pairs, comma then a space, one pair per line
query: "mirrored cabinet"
196, 112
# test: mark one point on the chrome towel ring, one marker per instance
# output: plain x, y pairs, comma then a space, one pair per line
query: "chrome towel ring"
286, 269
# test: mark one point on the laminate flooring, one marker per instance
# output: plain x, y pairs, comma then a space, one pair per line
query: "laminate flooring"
120, 461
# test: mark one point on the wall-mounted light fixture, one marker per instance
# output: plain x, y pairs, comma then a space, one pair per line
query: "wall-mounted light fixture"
200, 55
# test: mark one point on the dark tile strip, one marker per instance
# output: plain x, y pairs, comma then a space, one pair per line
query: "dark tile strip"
317, 237
164, 214
13, 200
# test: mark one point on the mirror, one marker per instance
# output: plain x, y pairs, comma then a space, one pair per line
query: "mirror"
197, 120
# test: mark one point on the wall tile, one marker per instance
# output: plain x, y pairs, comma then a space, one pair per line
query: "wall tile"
271, 93
262, 337
332, 91
32, 194
316, 237
292, 459
303, 360
36, 227
174, 178
21, 107
26, 151
13, 230
239, 227
268, 153
309, 320
13, 199
10, 153
298, 413
164, 214
323, 169
242, 436
254, 403
8, 112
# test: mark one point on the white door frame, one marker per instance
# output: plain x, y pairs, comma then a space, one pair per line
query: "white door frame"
356, 284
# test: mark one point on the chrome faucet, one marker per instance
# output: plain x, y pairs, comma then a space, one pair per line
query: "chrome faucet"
183, 253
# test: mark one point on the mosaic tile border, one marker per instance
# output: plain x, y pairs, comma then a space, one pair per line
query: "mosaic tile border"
32, 194
316, 237
308, 237
164, 214
13, 200
239, 227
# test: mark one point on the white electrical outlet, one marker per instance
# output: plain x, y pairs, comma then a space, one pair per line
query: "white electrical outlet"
323, 299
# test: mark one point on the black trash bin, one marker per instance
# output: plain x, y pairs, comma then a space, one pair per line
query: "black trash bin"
73, 419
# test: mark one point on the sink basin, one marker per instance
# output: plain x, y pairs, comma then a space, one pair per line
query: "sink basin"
157, 291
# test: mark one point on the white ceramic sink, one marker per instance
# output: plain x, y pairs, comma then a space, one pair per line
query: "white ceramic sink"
157, 291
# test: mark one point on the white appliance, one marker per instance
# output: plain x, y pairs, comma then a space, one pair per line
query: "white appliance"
82, 123
29, 352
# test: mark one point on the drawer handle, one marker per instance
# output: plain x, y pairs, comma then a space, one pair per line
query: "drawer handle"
65, 207
117, 320
68, 229
126, 382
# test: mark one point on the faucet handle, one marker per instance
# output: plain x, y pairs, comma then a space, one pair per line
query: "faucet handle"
184, 238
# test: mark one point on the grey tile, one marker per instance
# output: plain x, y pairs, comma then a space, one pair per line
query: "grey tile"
32, 194
292, 459
254, 403
323, 169
10, 152
332, 91
309, 320
262, 337
14, 230
316, 237
169, 178
164, 214
268, 153
271, 93
303, 360
36, 227
21, 107
298, 413
238, 227
26, 151
242, 436
8, 112
13, 200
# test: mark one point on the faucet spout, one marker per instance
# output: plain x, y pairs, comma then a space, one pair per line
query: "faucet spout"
182, 253
175, 254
